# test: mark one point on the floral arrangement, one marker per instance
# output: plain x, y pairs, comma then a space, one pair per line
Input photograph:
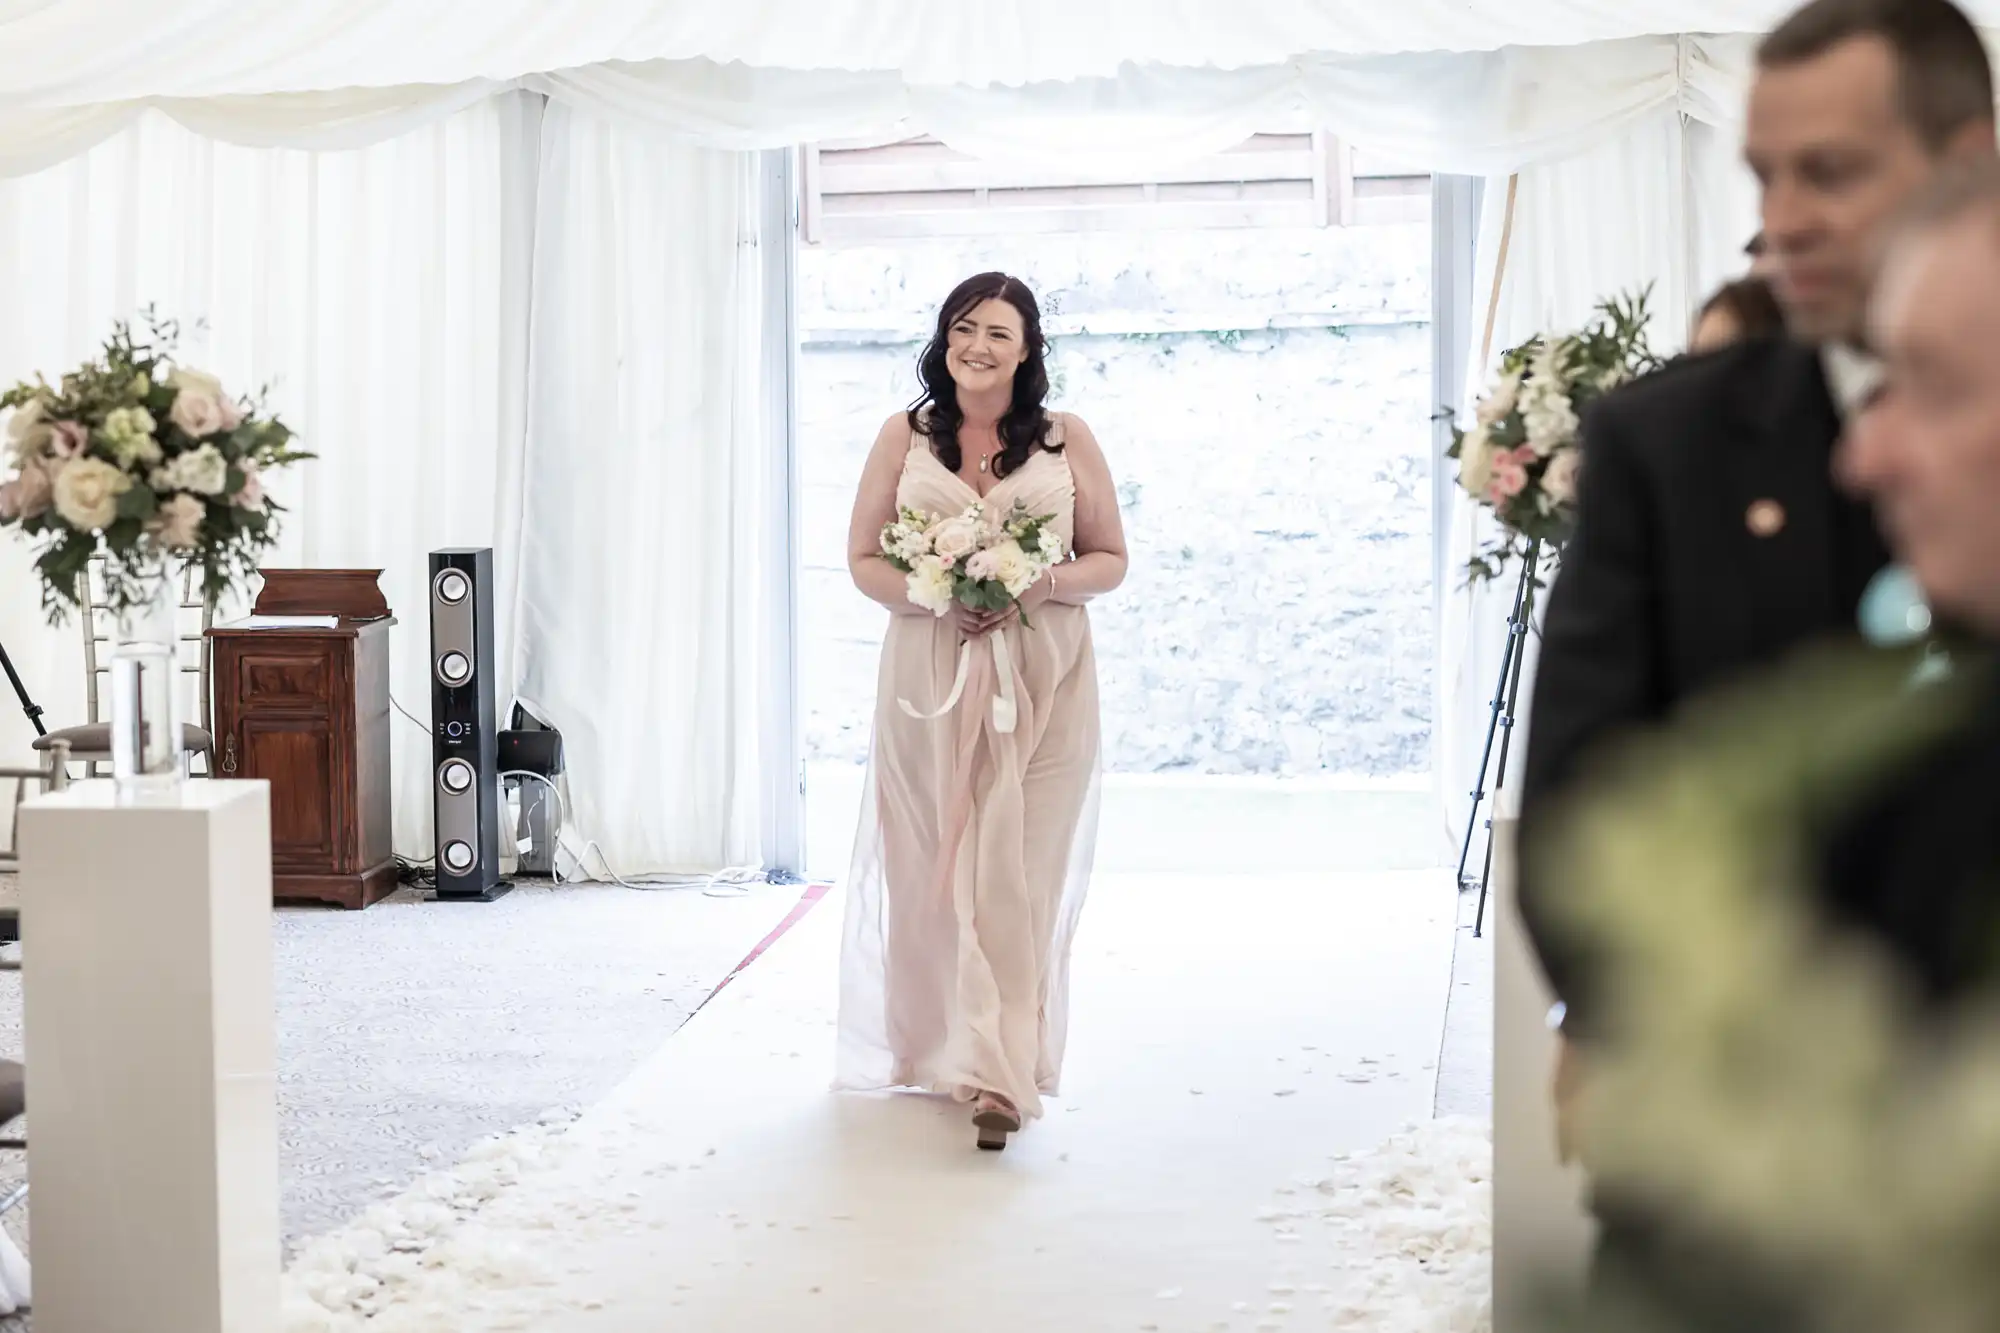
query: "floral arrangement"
1770, 1080
973, 558
145, 461
1521, 457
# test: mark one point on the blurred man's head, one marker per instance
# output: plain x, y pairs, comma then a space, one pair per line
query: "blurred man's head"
1927, 448
1857, 105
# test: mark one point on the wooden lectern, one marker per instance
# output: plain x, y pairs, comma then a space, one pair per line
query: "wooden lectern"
302, 702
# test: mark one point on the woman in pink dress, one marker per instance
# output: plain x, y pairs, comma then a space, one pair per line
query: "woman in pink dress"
975, 842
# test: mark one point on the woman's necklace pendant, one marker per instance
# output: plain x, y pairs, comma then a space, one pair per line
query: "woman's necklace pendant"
985, 462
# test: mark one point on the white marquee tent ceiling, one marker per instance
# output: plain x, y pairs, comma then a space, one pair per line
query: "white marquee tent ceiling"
77, 52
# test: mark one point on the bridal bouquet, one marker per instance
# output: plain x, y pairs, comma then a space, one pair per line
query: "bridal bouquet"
1521, 457
144, 461
972, 558
977, 559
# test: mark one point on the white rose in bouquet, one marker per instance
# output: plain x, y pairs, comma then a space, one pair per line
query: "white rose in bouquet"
932, 585
1496, 406
1004, 563
1476, 459
87, 491
955, 538
1559, 480
177, 525
204, 471
1017, 573
1551, 422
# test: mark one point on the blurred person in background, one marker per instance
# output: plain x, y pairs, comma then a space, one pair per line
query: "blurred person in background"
1740, 311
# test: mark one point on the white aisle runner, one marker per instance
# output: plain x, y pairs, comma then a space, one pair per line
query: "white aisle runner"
1227, 1037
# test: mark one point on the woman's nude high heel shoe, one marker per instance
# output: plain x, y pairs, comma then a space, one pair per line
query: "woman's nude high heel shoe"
995, 1119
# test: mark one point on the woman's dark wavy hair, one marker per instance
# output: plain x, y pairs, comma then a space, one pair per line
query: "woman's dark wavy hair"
1024, 427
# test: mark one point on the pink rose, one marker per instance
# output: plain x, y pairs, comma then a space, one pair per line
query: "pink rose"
27, 496
177, 525
232, 414
983, 565
251, 497
1509, 480
68, 439
196, 412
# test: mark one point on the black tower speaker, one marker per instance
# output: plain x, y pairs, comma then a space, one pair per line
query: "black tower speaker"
465, 768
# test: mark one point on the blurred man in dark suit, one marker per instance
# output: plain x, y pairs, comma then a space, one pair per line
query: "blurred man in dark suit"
1711, 538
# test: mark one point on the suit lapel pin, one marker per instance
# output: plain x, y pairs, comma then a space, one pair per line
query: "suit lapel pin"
1765, 518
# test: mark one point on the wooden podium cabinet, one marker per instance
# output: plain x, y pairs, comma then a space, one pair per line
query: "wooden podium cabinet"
307, 710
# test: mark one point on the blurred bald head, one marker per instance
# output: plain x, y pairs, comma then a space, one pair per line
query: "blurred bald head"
1927, 449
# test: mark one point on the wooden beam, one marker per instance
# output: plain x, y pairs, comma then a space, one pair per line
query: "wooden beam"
847, 175
809, 194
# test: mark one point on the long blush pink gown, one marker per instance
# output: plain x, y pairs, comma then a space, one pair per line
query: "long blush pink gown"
974, 851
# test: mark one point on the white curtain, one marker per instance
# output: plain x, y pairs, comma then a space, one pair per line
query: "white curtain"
1664, 204
642, 605
381, 293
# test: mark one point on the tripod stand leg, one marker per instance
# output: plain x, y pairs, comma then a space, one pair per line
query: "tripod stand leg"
28, 706
1508, 659
1524, 616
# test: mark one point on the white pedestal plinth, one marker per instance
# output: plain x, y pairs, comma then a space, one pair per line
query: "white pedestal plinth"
152, 1060
1541, 1231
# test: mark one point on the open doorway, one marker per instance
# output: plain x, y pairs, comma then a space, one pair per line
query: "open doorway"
1250, 339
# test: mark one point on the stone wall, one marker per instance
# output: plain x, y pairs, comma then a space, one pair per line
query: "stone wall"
1263, 398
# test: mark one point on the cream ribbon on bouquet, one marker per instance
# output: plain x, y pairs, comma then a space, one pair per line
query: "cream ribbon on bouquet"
1006, 712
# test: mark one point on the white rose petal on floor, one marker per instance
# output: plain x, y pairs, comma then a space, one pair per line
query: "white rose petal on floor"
1397, 1237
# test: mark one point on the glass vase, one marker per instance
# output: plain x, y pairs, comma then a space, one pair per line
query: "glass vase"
145, 670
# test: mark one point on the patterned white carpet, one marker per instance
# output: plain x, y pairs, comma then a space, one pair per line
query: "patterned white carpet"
410, 1031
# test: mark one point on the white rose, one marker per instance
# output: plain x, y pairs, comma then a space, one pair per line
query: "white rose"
87, 491
1012, 568
186, 377
177, 525
1475, 462
29, 431
1497, 405
953, 539
204, 471
932, 585
1559, 480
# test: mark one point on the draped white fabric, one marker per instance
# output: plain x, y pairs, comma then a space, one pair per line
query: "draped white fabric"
382, 294
1477, 112
645, 534
77, 52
